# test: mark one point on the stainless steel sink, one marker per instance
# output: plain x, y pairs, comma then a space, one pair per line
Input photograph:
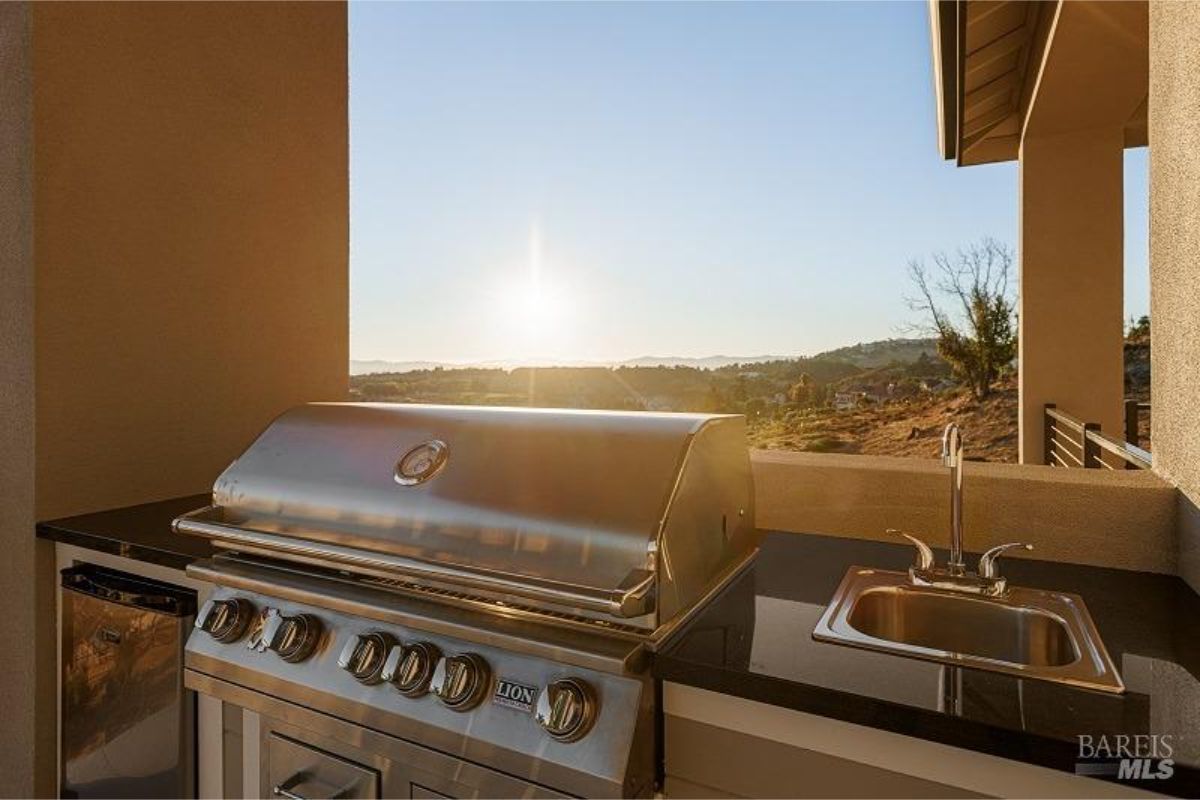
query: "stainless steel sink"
1026, 632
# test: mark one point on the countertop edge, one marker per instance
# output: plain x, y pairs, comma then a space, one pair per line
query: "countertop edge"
116, 547
140, 532
1028, 748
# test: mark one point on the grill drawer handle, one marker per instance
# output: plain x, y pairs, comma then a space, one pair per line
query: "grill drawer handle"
285, 789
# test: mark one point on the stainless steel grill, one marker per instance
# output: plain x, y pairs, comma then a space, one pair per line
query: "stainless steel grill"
531, 543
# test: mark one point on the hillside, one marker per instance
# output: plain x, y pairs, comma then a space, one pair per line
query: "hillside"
866, 355
882, 353
882, 398
380, 367
909, 427
787, 401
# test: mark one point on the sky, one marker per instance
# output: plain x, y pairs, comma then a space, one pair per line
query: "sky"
601, 181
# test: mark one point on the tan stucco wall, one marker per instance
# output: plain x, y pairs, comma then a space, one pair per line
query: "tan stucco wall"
1072, 282
191, 237
27, 623
173, 273
1120, 519
1175, 261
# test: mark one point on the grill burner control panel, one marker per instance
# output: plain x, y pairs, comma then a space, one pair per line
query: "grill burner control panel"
565, 708
225, 620
365, 655
461, 681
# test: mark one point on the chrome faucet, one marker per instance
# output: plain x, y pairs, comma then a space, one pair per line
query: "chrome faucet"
952, 457
987, 580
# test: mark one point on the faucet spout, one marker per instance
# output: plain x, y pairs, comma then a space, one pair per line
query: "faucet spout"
954, 577
952, 457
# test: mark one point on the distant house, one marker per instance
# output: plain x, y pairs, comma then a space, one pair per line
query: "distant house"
935, 385
847, 401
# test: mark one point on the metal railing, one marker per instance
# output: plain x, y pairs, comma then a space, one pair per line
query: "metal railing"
1073, 443
1133, 417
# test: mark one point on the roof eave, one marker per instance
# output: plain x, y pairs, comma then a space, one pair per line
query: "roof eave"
944, 32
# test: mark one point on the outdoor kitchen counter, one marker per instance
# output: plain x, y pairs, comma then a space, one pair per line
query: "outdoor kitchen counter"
754, 641
142, 532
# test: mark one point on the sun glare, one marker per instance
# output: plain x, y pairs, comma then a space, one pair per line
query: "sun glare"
535, 306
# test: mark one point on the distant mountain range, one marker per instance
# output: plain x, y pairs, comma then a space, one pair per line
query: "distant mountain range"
866, 354
706, 362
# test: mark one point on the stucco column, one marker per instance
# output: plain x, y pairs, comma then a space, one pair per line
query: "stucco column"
27, 657
1175, 263
1071, 281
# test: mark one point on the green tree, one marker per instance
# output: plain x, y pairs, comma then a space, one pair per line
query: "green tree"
754, 407
381, 390
1139, 329
979, 339
739, 388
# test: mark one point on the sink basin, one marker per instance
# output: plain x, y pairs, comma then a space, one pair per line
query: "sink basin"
939, 621
1028, 632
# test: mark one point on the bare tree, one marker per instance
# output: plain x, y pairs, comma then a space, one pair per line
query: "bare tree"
979, 338
801, 390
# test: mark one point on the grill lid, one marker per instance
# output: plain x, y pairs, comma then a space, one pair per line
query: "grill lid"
570, 508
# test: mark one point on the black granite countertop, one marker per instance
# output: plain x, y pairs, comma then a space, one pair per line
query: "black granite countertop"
755, 641
141, 532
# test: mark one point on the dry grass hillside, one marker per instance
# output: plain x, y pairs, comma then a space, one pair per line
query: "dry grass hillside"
902, 394
909, 427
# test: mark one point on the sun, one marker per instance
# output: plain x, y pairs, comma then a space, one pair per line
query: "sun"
533, 303
536, 304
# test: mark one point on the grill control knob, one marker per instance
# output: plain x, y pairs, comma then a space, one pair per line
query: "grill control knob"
566, 709
363, 656
293, 638
225, 620
410, 667
461, 681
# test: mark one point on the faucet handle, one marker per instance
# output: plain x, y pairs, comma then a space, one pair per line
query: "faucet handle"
987, 561
924, 553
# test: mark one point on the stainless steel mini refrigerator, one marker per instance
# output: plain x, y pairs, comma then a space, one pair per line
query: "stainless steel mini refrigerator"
127, 722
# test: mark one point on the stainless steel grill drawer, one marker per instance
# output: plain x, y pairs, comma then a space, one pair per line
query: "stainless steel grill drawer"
299, 771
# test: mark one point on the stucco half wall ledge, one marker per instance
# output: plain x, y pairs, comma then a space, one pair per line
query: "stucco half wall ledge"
1123, 519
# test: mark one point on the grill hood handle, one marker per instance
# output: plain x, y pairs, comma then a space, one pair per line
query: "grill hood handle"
634, 596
